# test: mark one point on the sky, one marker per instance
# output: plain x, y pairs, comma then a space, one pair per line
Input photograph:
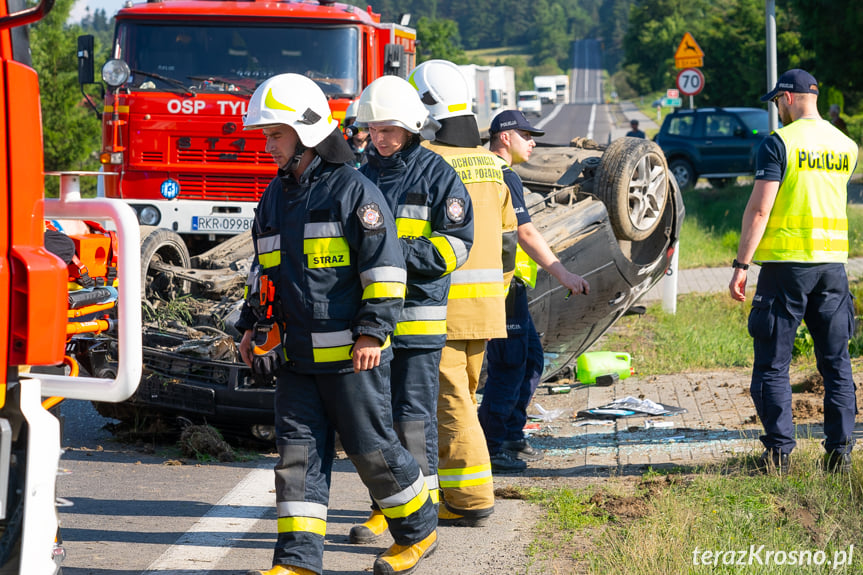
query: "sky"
79, 9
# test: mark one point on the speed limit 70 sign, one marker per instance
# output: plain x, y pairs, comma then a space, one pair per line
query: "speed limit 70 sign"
690, 81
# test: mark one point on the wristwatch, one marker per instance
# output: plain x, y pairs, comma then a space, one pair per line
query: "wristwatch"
739, 266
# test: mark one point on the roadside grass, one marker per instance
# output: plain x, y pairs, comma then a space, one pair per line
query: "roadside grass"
709, 331
671, 518
501, 53
711, 228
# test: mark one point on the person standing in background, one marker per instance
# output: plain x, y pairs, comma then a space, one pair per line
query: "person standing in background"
515, 362
796, 227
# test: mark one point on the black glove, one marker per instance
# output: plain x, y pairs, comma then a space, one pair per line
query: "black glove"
268, 355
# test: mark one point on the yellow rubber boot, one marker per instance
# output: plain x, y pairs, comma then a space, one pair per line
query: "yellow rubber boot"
447, 517
283, 570
403, 559
370, 530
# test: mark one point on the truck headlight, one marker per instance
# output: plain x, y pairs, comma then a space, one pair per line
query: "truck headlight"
115, 73
149, 216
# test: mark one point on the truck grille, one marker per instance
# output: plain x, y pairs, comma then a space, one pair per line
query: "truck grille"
153, 157
223, 187
222, 157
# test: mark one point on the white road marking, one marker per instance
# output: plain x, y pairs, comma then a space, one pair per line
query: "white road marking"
199, 550
592, 122
549, 118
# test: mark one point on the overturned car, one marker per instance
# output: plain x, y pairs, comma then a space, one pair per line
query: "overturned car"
611, 213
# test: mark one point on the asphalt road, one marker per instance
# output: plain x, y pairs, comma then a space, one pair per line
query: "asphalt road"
141, 509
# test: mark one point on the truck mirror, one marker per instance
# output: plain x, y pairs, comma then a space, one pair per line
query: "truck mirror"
85, 59
395, 60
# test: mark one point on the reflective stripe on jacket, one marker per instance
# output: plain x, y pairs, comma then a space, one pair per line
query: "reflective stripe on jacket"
329, 243
808, 221
477, 290
434, 221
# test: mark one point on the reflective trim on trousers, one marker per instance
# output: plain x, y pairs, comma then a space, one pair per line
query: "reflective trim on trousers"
302, 524
476, 475
301, 509
406, 501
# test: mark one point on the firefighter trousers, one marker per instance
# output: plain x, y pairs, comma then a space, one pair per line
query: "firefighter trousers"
414, 383
310, 408
514, 368
817, 294
464, 469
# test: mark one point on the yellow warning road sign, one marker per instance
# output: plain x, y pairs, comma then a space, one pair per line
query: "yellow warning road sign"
689, 54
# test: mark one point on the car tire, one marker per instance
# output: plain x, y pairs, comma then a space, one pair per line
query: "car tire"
683, 173
632, 182
721, 182
162, 245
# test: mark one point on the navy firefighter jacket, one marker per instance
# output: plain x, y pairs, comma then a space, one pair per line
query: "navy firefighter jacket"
434, 220
330, 242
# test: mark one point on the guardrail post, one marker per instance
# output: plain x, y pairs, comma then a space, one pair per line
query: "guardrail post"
669, 284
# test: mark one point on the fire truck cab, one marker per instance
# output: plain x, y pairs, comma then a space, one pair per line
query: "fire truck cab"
179, 80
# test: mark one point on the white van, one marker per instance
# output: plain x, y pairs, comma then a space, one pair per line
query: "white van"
529, 103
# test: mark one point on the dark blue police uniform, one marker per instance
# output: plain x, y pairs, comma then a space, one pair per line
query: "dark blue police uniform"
515, 364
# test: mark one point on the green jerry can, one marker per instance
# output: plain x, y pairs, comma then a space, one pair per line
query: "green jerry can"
594, 364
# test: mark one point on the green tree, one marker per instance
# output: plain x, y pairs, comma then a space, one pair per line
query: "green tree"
70, 133
438, 38
549, 39
830, 43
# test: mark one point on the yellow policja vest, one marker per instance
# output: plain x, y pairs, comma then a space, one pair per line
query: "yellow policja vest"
808, 222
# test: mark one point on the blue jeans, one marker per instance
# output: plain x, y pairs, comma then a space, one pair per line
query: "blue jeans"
787, 294
513, 372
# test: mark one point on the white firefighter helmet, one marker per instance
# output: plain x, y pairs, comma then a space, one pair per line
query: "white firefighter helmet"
351, 112
392, 100
295, 101
442, 88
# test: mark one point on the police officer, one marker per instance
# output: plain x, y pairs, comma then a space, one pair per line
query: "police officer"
329, 273
434, 221
515, 363
476, 297
795, 226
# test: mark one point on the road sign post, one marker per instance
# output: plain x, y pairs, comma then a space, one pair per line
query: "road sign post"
690, 81
689, 54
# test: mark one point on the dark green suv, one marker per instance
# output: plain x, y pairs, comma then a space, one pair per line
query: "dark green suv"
714, 143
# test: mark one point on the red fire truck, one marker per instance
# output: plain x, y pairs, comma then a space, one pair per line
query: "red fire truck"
34, 311
180, 77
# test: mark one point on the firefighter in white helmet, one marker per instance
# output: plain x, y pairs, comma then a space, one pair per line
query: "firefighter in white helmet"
329, 274
476, 297
434, 220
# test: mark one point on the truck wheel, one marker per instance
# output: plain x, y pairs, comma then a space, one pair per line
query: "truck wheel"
632, 181
166, 246
683, 172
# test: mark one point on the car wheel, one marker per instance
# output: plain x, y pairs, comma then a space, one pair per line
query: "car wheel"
159, 245
632, 181
721, 182
683, 173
